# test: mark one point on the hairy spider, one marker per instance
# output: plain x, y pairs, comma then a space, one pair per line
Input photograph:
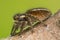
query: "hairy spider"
31, 16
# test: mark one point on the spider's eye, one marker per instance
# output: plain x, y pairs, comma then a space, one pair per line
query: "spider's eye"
22, 16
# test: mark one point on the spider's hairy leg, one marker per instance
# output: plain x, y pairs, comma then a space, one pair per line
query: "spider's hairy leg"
31, 21
15, 28
44, 23
23, 24
13, 31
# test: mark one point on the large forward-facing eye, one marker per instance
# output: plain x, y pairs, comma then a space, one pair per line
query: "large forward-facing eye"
22, 16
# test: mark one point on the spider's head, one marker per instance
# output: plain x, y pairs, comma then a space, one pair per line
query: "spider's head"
20, 17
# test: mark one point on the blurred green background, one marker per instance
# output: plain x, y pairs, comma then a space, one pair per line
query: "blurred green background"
10, 7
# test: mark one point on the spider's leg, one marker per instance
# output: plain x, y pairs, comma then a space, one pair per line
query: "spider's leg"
31, 20
22, 26
13, 31
44, 23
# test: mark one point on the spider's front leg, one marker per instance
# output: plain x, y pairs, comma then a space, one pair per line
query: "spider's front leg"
31, 21
23, 24
15, 27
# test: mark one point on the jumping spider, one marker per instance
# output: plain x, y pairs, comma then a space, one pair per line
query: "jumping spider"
28, 18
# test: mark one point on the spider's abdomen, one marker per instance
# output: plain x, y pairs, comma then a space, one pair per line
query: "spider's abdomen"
39, 13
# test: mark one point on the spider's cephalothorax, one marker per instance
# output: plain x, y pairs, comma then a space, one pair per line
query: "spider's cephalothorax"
24, 18
39, 13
